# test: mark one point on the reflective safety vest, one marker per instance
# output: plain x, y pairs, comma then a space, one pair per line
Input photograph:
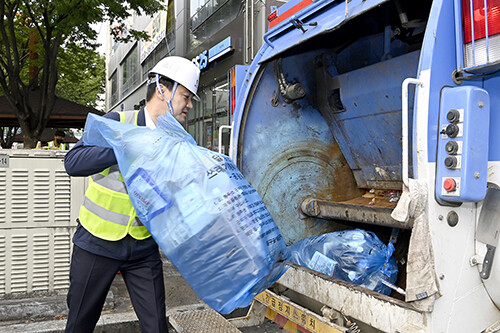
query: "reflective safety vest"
51, 144
107, 211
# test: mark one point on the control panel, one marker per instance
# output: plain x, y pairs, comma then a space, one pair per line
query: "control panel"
462, 158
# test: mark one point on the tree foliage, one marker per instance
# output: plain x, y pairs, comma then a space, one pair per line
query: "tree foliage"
32, 34
82, 74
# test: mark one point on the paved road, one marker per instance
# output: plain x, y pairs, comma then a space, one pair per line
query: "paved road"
267, 327
47, 314
179, 293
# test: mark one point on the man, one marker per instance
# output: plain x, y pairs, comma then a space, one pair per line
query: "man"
109, 237
58, 141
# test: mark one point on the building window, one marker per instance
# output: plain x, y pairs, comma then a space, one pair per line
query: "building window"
208, 115
131, 71
199, 116
161, 31
160, 52
170, 27
114, 89
210, 16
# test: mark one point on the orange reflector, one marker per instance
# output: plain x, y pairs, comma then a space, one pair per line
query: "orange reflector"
290, 12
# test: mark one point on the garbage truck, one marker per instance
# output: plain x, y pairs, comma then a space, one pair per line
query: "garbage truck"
382, 115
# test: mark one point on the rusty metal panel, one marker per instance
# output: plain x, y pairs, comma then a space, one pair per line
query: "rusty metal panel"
355, 211
368, 129
288, 153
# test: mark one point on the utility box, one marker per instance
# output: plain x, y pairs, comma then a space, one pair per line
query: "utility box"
39, 204
463, 144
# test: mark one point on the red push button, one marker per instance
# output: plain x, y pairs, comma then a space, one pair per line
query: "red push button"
449, 184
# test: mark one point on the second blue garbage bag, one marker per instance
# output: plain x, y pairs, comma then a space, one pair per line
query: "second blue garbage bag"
200, 210
355, 256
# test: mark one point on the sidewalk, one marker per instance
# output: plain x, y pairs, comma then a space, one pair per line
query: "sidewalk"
48, 314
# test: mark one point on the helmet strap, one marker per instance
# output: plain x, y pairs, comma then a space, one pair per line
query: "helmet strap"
169, 102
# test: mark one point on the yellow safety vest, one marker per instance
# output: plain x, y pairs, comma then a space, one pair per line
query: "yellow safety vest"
107, 211
51, 144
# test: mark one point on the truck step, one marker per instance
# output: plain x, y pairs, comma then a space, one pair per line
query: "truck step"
200, 321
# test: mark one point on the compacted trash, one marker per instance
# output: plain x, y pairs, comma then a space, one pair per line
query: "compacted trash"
356, 256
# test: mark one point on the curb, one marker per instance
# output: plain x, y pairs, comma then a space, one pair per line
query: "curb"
108, 323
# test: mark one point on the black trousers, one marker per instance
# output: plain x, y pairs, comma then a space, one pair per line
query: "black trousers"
91, 277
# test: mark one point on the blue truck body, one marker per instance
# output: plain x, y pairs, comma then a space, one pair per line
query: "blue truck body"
348, 104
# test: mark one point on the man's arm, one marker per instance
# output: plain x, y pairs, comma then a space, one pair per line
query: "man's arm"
84, 160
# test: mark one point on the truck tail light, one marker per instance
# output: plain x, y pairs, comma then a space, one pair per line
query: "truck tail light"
232, 90
481, 31
272, 16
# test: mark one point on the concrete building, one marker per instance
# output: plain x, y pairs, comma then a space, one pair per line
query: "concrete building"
218, 34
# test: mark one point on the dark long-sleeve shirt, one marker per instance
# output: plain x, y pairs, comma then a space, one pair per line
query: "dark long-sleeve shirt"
84, 160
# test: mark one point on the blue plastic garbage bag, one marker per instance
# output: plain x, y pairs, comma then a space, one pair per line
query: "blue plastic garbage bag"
356, 256
200, 210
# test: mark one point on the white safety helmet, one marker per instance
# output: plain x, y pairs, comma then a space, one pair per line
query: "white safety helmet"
180, 70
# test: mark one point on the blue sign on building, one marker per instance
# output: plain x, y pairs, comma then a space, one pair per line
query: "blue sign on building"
215, 52
220, 49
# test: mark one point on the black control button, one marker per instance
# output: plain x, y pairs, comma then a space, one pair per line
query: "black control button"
450, 162
452, 130
451, 147
453, 116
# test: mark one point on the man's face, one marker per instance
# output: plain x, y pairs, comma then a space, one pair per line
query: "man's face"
58, 138
181, 103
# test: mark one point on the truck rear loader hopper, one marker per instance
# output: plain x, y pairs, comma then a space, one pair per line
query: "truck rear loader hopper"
330, 131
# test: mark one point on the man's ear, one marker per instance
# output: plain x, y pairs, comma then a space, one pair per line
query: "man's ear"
158, 93
166, 93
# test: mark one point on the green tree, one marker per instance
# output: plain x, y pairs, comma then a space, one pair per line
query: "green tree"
82, 75
32, 34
